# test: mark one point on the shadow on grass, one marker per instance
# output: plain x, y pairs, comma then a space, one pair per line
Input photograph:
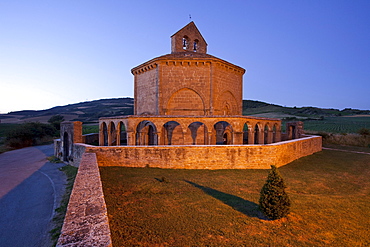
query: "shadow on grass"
246, 207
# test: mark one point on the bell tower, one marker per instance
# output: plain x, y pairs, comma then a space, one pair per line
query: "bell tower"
188, 39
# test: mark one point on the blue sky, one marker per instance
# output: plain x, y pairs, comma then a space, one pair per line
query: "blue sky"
296, 53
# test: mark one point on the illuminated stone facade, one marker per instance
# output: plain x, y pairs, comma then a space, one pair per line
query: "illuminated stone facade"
186, 103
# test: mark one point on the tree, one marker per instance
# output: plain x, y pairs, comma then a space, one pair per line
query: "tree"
56, 120
274, 201
28, 134
364, 132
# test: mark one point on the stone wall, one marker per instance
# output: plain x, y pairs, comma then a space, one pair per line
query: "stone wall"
92, 139
146, 92
86, 221
70, 133
207, 157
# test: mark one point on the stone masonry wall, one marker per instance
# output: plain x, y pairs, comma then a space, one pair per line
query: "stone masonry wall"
228, 89
208, 157
86, 221
178, 75
146, 92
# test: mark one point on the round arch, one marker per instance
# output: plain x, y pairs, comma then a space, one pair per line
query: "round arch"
227, 104
198, 133
122, 134
223, 133
172, 133
104, 134
146, 133
186, 102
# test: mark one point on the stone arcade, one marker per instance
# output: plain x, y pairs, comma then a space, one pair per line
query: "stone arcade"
188, 114
188, 104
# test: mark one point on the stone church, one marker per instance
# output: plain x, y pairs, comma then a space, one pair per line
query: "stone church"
188, 104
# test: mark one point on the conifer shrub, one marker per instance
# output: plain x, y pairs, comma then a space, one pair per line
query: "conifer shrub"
274, 201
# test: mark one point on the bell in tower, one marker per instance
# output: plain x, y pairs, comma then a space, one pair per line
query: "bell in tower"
188, 39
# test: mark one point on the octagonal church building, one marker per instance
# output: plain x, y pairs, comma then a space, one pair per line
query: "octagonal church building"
188, 114
189, 97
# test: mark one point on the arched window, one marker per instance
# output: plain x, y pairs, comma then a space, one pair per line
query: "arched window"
195, 45
185, 42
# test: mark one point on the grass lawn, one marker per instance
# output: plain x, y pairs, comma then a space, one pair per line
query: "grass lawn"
330, 193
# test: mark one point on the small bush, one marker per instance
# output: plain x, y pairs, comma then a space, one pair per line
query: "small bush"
55, 121
364, 132
274, 202
324, 135
28, 134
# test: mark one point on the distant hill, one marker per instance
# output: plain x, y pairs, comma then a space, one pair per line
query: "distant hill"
262, 109
87, 112
91, 111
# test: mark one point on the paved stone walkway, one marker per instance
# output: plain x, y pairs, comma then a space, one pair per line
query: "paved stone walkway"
30, 190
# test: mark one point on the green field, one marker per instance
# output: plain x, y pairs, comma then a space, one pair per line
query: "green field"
330, 193
338, 124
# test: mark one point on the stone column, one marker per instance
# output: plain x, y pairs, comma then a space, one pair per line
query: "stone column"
250, 136
238, 138
261, 135
159, 138
118, 136
131, 138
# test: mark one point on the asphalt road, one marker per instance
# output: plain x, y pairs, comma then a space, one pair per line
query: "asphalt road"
30, 191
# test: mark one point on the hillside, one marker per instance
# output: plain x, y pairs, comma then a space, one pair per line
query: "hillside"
86, 112
262, 109
91, 111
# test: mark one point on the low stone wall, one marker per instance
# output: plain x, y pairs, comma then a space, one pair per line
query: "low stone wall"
86, 221
92, 139
207, 157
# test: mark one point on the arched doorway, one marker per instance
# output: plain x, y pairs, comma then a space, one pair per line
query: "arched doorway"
65, 146
105, 134
223, 133
292, 134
